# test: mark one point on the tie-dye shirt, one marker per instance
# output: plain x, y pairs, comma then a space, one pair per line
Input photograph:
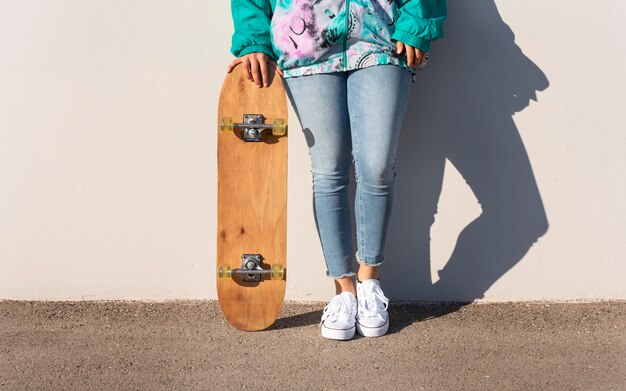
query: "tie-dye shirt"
322, 36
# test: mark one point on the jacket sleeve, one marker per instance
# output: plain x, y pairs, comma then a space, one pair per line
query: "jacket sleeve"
252, 27
419, 22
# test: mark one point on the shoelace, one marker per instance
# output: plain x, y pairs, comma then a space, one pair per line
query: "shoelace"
337, 308
375, 301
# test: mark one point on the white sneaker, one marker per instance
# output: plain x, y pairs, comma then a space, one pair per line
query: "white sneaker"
372, 319
339, 317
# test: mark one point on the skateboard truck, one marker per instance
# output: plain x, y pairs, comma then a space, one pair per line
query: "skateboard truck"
251, 270
253, 126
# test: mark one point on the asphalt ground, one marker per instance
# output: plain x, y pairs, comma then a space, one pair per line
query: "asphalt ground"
187, 345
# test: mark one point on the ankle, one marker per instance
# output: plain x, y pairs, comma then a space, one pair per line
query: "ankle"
341, 290
345, 284
367, 272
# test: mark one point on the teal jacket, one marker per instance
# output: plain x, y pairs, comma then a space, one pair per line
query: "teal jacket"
321, 36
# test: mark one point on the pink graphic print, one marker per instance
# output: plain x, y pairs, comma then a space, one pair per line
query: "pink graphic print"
294, 30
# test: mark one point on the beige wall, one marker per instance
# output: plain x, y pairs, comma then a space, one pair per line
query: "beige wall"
107, 155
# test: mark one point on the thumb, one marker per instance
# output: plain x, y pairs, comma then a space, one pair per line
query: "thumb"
233, 64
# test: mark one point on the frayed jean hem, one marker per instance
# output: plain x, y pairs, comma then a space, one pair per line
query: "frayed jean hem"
349, 274
372, 264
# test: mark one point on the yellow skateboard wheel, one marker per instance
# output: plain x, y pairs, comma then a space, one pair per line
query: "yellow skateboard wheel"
226, 124
224, 272
278, 272
279, 127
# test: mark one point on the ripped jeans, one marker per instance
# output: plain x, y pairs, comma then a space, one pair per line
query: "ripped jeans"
352, 117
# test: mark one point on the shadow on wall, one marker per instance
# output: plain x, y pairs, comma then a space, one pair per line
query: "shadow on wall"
461, 110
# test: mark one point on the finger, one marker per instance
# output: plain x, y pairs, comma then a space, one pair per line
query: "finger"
399, 47
410, 56
275, 66
419, 57
246, 67
254, 65
233, 64
264, 75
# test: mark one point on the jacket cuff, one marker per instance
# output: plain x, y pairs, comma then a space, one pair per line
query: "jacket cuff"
411, 40
258, 49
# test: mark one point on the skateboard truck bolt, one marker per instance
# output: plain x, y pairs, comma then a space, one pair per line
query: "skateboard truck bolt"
252, 135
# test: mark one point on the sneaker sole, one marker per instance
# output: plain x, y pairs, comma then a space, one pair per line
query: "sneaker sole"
372, 331
338, 333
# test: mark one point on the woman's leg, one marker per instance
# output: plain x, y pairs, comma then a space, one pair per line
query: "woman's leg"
321, 104
377, 100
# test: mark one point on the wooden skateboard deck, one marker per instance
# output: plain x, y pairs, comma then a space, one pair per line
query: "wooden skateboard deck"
251, 201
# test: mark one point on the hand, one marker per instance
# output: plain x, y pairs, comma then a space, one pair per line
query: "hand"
255, 65
414, 56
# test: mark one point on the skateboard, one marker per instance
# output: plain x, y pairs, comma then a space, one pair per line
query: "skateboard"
251, 200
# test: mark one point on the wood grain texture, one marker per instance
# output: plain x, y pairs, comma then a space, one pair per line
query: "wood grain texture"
252, 201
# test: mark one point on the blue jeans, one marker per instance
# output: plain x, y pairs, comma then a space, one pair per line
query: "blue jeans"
347, 117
